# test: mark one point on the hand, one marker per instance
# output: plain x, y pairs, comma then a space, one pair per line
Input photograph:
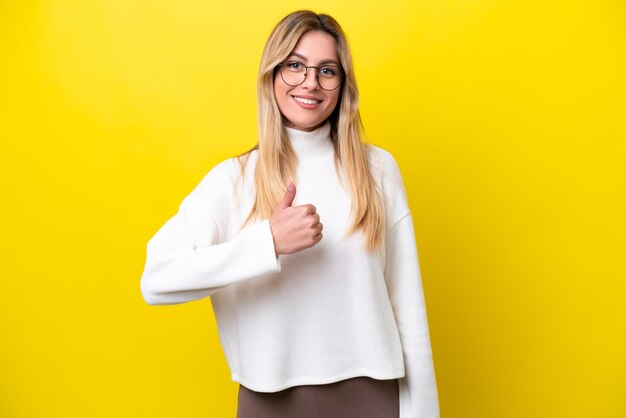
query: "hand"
294, 228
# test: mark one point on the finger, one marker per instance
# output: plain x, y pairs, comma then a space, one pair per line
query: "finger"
290, 195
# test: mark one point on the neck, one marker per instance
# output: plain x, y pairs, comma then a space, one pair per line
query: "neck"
311, 145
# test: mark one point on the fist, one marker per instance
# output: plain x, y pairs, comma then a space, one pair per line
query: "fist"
294, 228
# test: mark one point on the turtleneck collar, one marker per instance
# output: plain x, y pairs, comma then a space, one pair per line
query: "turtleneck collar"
311, 146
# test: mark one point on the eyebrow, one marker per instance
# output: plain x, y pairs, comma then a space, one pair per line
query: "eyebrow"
320, 63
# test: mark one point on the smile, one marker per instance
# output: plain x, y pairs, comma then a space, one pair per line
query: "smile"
306, 101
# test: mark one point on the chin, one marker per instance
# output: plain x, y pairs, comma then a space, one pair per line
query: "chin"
305, 125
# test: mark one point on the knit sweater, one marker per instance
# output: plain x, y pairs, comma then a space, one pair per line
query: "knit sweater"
327, 313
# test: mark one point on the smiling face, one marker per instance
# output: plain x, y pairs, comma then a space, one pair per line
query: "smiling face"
307, 106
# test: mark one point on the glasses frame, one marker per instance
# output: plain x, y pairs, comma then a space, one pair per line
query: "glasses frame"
306, 73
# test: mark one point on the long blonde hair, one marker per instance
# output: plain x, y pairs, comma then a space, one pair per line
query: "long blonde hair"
276, 161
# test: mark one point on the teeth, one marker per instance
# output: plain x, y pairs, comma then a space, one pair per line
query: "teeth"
306, 101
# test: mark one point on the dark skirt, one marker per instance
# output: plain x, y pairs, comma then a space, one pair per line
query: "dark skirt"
362, 397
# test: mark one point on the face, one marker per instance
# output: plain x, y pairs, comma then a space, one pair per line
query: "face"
313, 48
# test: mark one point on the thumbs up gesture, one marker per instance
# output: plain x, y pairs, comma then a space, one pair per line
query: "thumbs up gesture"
294, 228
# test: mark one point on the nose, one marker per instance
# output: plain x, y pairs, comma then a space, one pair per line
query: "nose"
310, 79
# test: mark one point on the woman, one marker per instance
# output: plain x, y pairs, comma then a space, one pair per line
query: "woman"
305, 245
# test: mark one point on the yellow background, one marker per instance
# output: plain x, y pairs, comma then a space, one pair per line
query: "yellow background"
507, 120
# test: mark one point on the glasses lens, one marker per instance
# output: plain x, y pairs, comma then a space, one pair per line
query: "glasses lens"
329, 77
293, 73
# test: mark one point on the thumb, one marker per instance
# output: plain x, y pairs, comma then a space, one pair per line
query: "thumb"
290, 194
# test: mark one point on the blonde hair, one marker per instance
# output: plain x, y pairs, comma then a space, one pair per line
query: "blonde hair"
276, 161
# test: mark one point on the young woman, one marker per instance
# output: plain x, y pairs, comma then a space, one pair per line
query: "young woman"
305, 245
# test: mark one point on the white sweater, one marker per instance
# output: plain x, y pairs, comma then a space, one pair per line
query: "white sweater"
324, 314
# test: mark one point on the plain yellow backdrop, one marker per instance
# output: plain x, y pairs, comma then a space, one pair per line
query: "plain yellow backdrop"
507, 119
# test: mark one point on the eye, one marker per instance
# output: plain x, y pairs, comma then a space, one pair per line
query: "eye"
294, 65
328, 71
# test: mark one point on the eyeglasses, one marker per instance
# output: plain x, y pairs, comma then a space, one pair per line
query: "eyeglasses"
294, 73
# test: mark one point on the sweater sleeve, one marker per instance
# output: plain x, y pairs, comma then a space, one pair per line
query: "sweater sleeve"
418, 388
186, 260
